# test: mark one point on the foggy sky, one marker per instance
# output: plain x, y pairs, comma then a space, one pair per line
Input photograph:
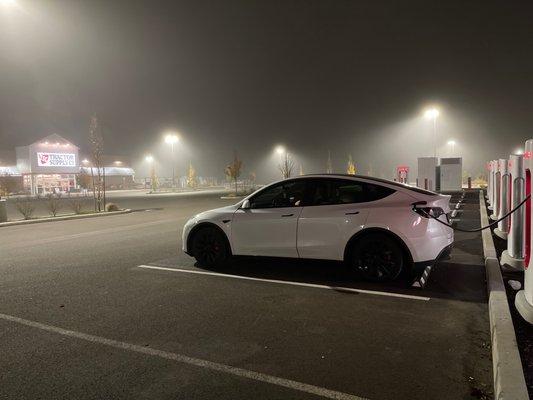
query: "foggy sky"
349, 76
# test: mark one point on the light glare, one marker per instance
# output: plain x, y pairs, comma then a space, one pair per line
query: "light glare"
171, 138
431, 113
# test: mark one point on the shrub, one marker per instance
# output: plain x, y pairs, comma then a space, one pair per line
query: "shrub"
111, 207
76, 205
25, 206
53, 203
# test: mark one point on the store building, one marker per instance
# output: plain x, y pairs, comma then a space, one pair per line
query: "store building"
48, 165
53, 165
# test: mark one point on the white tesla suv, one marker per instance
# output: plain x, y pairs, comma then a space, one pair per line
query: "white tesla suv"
379, 228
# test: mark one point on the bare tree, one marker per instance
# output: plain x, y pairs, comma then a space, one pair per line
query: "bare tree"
97, 148
192, 180
286, 165
233, 170
329, 166
53, 203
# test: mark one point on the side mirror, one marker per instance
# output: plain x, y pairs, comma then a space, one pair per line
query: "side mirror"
245, 204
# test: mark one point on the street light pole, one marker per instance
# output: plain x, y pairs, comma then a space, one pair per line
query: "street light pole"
435, 134
171, 139
173, 165
433, 113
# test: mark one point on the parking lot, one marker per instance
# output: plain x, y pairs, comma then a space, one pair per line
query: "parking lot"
111, 308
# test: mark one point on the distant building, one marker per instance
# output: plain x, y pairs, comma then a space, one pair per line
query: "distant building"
52, 164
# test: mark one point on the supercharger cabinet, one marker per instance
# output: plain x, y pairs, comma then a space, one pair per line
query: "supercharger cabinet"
451, 174
427, 173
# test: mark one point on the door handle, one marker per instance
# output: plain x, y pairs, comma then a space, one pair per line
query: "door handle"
352, 213
287, 215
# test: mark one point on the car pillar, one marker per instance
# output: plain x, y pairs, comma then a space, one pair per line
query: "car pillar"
514, 257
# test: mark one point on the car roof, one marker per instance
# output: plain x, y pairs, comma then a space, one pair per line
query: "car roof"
371, 178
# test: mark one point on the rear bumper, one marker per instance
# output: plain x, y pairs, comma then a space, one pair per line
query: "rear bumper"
420, 266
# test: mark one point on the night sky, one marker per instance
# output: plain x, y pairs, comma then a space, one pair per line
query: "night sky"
349, 76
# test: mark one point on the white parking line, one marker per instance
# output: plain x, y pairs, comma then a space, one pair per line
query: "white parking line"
228, 369
311, 285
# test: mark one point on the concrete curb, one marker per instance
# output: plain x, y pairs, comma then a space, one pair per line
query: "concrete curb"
64, 218
509, 380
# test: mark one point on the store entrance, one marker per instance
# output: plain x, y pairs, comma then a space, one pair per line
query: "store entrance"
54, 183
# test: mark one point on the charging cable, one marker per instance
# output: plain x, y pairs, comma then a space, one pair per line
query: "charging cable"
484, 227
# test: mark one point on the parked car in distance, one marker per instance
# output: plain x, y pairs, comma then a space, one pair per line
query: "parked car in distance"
379, 228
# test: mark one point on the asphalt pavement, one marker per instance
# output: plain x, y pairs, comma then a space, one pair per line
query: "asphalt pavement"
110, 308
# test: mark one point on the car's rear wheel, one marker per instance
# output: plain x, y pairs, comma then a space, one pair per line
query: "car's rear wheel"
377, 258
209, 247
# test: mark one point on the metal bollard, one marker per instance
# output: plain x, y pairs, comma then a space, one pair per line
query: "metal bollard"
513, 258
524, 298
3, 211
505, 199
496, 191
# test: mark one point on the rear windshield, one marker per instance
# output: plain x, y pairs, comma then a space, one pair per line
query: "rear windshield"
403, 185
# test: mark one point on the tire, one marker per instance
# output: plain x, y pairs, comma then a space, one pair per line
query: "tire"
377, 258
209, 247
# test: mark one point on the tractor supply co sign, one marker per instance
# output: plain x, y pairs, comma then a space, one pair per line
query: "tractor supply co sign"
56, 160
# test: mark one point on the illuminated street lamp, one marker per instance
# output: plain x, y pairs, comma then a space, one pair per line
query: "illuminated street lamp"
171, 139
280, 150
8, 3
433, 113
451, 143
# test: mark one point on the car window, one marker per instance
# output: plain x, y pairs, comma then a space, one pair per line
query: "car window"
284, 194
340, 191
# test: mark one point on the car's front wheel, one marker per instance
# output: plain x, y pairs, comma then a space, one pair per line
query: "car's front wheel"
377, 258
209, 247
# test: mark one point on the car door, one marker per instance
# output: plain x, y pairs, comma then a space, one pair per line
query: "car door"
269, 226
336, 210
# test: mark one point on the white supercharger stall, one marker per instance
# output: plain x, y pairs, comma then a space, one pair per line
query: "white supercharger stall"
496, 191
491, 185
513, 258
502, 230
524, 298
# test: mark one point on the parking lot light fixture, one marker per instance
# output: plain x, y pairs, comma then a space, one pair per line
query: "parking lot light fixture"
280, 150
149, 159
451, 143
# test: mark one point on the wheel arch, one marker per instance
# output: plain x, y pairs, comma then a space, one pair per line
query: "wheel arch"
362, 233
202, 225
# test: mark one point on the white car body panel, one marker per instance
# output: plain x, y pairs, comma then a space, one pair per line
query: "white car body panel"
265, 232
323, 231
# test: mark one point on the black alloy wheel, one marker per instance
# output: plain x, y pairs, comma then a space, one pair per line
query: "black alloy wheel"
377, 258
209, 247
